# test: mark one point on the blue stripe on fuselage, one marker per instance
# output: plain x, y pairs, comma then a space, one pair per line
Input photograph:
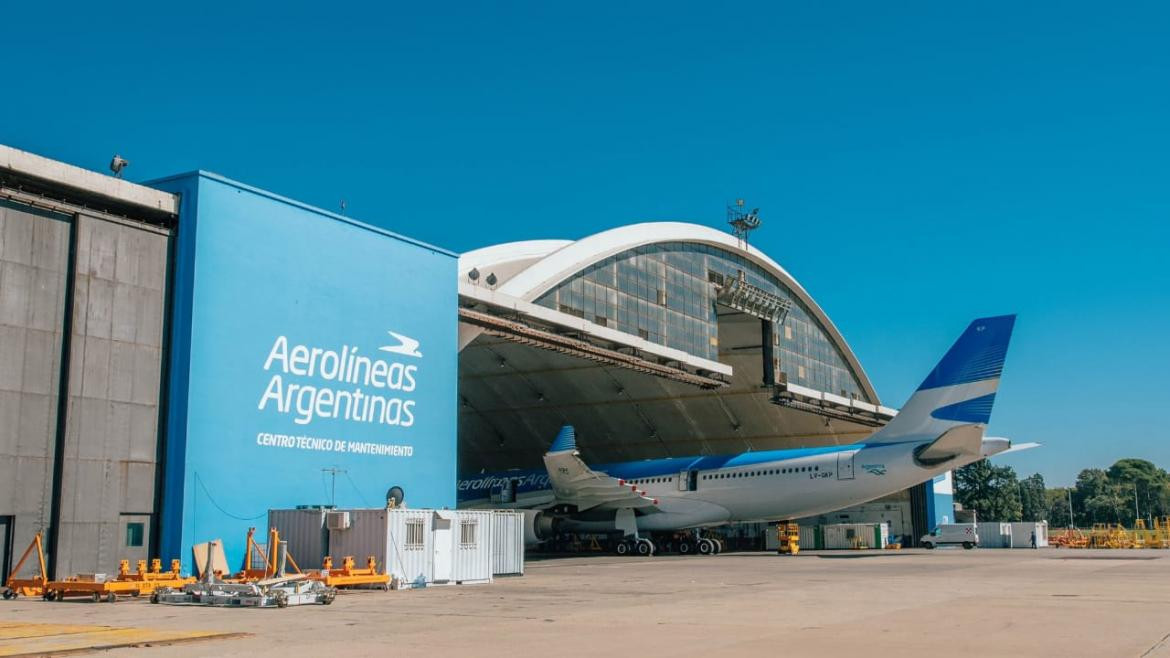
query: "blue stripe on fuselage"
480, 486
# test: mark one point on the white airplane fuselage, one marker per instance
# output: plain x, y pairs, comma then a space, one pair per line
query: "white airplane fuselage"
763, 486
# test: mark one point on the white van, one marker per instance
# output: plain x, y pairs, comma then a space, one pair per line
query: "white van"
962, 534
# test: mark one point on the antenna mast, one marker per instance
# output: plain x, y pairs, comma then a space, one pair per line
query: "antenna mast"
742, 222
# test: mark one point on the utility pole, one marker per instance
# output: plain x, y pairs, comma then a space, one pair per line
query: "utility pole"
333, 486
1071, 519
1136, 516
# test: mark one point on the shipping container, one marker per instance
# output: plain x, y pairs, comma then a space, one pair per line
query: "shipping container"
507, 543
854, 535
303, 529
993, 534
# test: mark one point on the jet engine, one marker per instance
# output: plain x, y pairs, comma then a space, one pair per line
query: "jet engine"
539, 526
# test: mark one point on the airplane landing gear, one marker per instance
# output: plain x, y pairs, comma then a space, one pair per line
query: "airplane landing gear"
636, 546
707, 547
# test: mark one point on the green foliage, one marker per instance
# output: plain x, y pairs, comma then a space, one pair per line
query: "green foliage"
1057, 502
1099, 495
1033, 502
1113, 495
992, 491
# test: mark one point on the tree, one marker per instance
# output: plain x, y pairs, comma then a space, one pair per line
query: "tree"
1033, 503
992, 491
1057, 504
1145, 481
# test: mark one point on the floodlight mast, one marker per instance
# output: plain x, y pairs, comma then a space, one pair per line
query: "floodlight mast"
742, 222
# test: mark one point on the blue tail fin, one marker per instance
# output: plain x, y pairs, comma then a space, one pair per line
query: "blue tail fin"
566, 440
960, 390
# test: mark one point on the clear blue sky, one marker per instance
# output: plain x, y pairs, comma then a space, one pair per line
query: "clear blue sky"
917, 164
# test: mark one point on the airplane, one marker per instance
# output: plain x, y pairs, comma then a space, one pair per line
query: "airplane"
940, 428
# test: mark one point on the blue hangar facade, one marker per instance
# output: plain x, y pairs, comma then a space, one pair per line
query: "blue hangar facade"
333, 347
215, 350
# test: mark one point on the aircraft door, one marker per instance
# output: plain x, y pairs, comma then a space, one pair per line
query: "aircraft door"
845, 465
688, 480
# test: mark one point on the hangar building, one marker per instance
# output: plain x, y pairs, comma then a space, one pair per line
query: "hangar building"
178, 357
654, 340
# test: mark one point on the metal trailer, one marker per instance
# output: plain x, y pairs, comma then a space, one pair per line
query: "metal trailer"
279, 591
507, 543
34, 586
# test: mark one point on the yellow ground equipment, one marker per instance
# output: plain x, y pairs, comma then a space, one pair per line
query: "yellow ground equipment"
156, 577
1105, 535
127, 583
249, 572
34, 586
789, 535
350, 576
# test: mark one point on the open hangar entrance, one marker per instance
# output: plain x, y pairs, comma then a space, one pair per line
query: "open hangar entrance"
551, 336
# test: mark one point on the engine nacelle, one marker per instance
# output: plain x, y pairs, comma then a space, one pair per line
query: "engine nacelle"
538, 526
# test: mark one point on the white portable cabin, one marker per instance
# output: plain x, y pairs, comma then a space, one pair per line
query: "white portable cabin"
993, 534
1022, 534
419, 547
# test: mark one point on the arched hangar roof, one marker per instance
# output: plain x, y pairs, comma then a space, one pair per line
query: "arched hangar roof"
528, 269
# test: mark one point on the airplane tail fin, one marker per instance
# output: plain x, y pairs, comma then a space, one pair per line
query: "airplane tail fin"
961, 388
566, 440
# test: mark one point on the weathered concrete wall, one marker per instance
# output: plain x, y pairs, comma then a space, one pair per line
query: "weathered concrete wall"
34, 254
111, 438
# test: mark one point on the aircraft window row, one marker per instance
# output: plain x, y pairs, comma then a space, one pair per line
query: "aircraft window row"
651, 480
771, 471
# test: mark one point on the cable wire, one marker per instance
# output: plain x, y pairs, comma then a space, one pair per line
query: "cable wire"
199, 481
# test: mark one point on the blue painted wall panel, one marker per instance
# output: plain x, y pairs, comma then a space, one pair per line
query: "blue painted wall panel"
285, 362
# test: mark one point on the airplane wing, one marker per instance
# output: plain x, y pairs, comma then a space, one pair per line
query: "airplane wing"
574, 483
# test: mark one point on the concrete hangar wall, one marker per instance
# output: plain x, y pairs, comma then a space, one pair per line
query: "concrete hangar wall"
176, 361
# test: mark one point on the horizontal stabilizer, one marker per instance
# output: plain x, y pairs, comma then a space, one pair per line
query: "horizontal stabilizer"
1017, 447
962, 440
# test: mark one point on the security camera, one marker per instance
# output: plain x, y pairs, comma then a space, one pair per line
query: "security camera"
118, 164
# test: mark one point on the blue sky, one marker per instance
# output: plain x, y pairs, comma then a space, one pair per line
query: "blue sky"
917, 164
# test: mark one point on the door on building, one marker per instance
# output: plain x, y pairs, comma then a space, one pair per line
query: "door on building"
6, 524
443, 548
134, 537
845, 465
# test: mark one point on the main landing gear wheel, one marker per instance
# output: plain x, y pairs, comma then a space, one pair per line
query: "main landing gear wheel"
686, 548
645, 547
968, 545
623, 548
706, 547
718, 545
